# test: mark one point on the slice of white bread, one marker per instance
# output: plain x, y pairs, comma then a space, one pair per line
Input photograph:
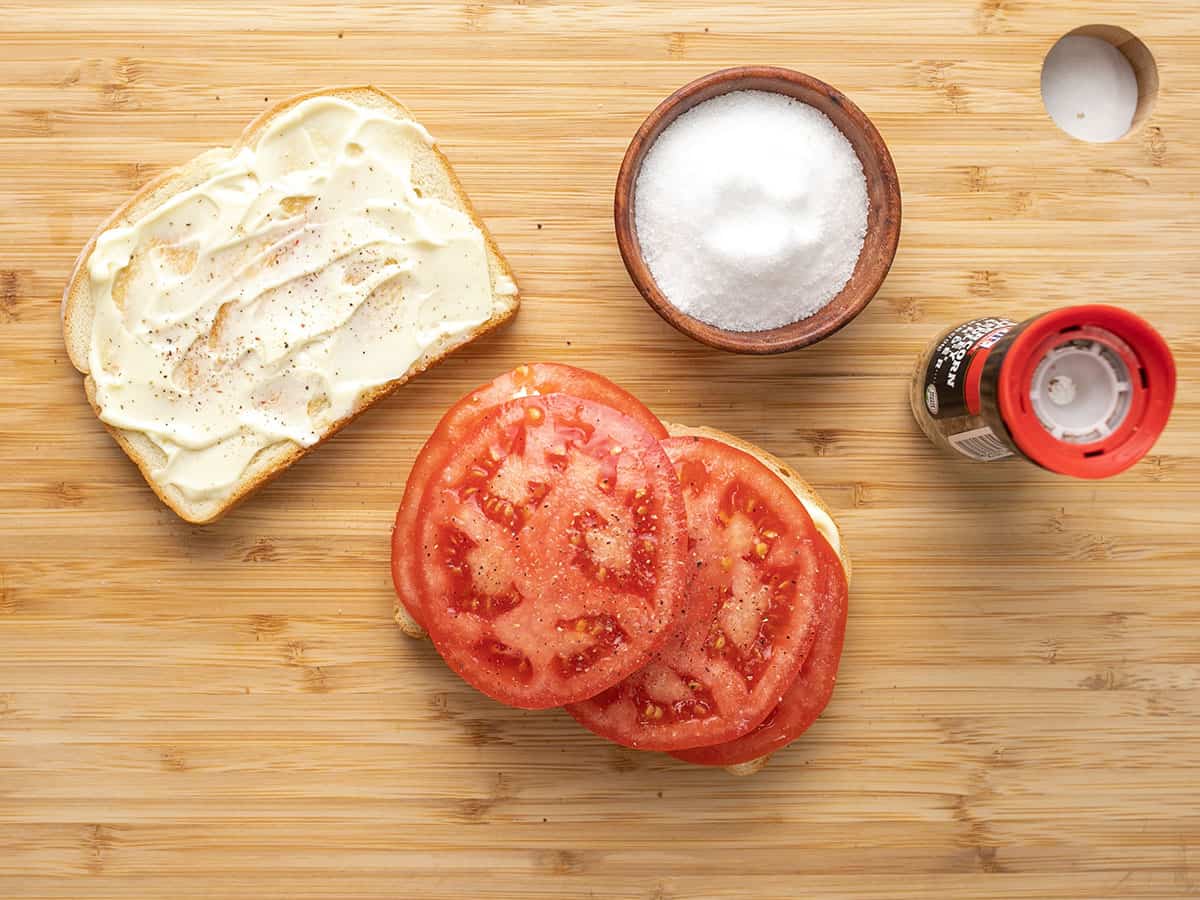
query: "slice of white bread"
817, 510
431, 175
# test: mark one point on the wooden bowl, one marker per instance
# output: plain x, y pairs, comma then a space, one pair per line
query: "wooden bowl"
883, 217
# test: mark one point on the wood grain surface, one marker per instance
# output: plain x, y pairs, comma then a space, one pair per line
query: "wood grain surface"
229, 712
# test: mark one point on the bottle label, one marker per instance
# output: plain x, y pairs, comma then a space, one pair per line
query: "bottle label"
979, 443
948, 393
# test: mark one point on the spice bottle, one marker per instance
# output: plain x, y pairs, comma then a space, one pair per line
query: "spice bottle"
1082, 391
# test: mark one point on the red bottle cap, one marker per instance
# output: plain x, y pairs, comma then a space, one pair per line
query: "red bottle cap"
1086, 390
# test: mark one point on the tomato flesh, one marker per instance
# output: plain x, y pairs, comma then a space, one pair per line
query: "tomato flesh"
553, 551
461, 419
752, 608
808, 694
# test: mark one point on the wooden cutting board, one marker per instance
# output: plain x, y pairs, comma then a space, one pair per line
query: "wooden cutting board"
229, 712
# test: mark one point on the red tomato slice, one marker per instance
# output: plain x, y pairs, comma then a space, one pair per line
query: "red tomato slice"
752, 610
809, 693
460, 420
554, 556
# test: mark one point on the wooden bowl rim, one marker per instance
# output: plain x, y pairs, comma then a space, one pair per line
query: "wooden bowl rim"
883, 219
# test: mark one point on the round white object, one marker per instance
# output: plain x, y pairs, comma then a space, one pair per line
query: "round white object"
1089, 88
751, 210
1081, 391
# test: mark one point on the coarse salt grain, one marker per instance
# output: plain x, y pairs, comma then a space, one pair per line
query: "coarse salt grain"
751, 210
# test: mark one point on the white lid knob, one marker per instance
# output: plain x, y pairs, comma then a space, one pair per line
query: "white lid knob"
1081, 391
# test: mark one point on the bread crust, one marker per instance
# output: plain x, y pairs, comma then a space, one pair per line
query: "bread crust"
407, 623
741, 770
77, 309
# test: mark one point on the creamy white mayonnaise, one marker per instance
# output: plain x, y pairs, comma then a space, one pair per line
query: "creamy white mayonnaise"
257, 306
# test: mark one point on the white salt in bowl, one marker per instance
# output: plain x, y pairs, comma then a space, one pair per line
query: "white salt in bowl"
883, 214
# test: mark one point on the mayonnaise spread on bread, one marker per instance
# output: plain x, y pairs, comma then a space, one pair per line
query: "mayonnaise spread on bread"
258, 305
